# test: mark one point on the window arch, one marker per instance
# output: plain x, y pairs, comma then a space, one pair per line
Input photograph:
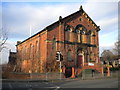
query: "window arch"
89, 36
81, 31
67, 27
70, 30
37, 46
80, 27
69, 55
31, 50
36, 49
54, 44
25, 52
93, 37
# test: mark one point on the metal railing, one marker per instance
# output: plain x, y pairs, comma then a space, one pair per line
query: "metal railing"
99, 75
47, 76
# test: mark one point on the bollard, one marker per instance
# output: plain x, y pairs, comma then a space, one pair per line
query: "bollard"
102, 71
108, 74
73, 72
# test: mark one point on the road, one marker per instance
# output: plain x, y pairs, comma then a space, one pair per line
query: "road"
56, 85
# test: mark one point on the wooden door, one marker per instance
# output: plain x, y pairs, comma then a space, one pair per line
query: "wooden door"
80, 59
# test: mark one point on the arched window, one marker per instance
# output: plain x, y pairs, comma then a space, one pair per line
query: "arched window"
71, 35
93, 37
37, 46
33, 53
69, 30
69, 56
54, 44
89, 37
31, 50
81, 31
25, 52
37, 49
67, 27
91, 56
79, 36
21, 53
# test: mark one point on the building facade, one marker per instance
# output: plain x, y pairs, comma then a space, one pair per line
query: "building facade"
75, 36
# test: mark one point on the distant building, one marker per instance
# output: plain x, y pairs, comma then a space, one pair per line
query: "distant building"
12, 58
75, 36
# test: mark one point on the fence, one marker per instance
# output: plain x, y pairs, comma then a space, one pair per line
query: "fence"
99, 75
47, 76
115, 74
53, 76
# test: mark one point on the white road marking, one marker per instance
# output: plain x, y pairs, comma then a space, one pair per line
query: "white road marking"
57, 88
10, 85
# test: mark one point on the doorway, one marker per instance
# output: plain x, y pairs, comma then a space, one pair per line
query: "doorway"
80, 60
68, 72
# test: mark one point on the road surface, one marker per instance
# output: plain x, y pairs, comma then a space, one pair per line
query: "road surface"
58, 85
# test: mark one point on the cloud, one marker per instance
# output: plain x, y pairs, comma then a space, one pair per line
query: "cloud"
19, 18
101, 10
113, 33
108, 22
107, 41
105, 15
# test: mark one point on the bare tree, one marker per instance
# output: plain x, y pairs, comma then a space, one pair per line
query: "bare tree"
3, 38
116, 49
52, 65
107, 55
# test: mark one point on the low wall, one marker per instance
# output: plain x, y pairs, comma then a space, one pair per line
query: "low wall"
40, 76
12, 75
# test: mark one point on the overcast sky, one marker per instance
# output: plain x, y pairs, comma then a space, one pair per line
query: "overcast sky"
18, 16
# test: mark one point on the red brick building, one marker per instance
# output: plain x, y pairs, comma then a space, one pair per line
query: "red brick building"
75, 36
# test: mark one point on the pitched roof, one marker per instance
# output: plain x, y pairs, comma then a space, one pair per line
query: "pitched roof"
55, 24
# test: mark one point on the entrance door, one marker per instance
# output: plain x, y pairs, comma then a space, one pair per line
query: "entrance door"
80, 59
68, 72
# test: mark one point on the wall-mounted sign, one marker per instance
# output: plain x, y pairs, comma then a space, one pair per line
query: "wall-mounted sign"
91, 64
